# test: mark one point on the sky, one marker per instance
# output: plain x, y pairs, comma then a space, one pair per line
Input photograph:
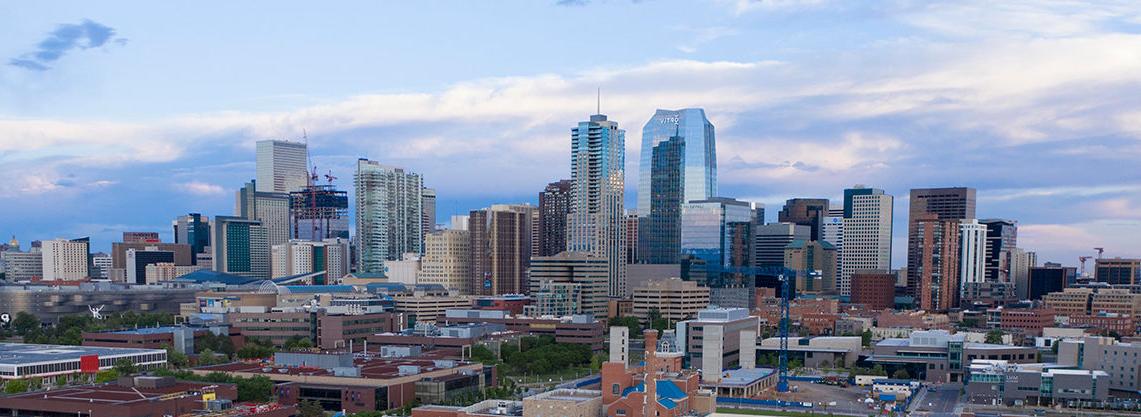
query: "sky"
119, 116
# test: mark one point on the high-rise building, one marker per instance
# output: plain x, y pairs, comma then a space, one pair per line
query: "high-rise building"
832, 231
596, 221
182, 255
867, 234
101, 266
874, 289
972, 255
937, 272
805, 211
65, 260
281, 166
678, 164
709, 228
631, 238
500, 244
1118, 271
1020, 263
269, 208
554, 205
428, 222
389, 210
138, 260
22, 266
944, 204
192, 229
569, 283
1001, 238
319, 212
770, 240
1043, 280
447, 260
241, 247
140, 237
815, 264
298, 257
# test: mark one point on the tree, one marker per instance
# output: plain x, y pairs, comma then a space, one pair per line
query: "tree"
901, 374
629, 322
482, 354
297, 343
106, 376
125, 367
596, 362
207, 357
16, 386
879, 371
24, 323
256, 389
176, 359
61, 380
255, 351
866, 338
994, 337
310, 409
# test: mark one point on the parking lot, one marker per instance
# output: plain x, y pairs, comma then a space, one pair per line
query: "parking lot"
850, 399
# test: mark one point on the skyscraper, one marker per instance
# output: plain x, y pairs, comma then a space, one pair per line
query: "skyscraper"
678, 164
428, 223
281, 166
389, 211
595, 223
500, 244
770, 240
1001, 239
241, 247
65, 260
554, 204
805, 211
319, 212
192, 229
709, 228
302, 257
944, 204
269, 208
972, 255
569, 283
447, 260
868, 214
936, 242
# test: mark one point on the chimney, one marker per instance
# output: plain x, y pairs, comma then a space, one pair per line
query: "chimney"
651, 370
651, 337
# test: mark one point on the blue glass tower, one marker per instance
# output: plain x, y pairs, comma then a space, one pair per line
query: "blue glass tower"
678, 164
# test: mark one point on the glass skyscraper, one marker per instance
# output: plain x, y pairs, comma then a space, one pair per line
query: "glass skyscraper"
596, 223
678, 164
389, 214
718, 231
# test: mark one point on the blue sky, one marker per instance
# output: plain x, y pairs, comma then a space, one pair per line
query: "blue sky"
121, 116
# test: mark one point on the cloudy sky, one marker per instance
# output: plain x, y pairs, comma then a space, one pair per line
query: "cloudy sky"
120, 117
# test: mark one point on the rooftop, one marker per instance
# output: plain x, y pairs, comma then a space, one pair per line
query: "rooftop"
575, 395
743, 377
372, 368
113, 394
21, 353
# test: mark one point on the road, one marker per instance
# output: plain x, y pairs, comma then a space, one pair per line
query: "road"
941, 403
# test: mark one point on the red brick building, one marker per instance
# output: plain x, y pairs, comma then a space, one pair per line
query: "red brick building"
660, 388
876, 290
1030, 321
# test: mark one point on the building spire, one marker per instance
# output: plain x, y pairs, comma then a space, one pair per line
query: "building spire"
599, 104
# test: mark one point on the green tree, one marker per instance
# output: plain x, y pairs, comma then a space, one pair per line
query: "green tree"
255, 389
596, 362
629, 322
16, 386
24, 323
207, 357
310, 409
994, 337
125, 367
482, 354
296, 343
255, 351
866, 338
61, 381
879, 371
176, 359
901, 374
106, 376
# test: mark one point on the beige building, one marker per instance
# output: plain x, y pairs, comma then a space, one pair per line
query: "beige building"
429, 309
166, 271
564, 403
64, 259
584, 284
447, 260
815, 263
673, 298
1074, 301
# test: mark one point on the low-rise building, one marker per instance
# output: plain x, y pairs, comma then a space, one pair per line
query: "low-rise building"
1120, 360
673, 299
564, 403
939, 356
322, 327
179, 338
21, 360
130, 397
1001, 382
1029, 321
488, 408
729, 326
577, 329
818, 352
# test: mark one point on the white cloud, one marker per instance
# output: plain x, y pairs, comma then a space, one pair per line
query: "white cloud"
203, 189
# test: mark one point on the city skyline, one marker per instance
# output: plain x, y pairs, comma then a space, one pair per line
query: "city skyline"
94, 139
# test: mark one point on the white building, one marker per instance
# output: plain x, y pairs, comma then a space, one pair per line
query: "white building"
281, 166
446, 260
389, 210
866, 236
972, 252
597, 221
64, 259
832, 231
271, 209
166, 271
405, 271
303, 256
101, 264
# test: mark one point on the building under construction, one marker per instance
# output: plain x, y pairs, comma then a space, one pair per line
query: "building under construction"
319, 212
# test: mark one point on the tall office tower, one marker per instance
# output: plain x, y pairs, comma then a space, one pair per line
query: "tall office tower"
867, 234
101, 266
1118, 271
946, 204
241, 247
596, 221
805, 211
709, 227
428, 223
554, 204
1020, 263
22, 266
447, 260
269, 208
678, 164
389, 211
298, 257
569, 283
1001, 238
832, 231
937, 272
770, 240
631, 237
972, 256
140, 237
65, 260
500, 245
319, 212
139, 259
815, 264
281, 166
192, 229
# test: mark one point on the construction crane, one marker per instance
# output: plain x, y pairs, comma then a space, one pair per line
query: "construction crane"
1099, 252
330, 178
1082, 260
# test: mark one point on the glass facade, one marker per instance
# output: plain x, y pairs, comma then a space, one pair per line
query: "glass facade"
708, 229
596, 223
678, 164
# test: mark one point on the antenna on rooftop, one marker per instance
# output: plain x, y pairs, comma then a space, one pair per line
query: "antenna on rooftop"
599, 103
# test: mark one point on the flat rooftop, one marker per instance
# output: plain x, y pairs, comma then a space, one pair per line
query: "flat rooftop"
742, 377
109, 394
152, 330
375, 368
574, 395
22, 354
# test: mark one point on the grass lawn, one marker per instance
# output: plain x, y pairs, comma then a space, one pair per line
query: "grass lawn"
567, 374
